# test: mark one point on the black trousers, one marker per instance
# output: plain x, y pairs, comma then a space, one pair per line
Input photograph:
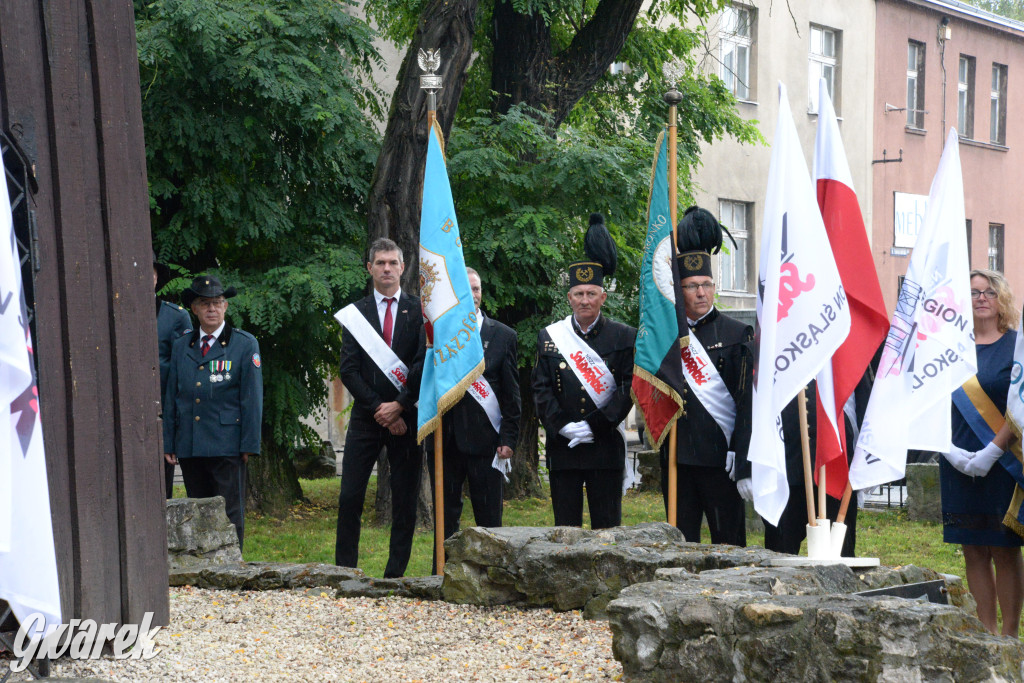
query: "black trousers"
362, 445
168, 478
707, 492
218, 476
792, 528
604, 497
486, 489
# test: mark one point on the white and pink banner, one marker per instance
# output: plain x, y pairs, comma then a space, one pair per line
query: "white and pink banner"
28, 562
929, 350
801, 309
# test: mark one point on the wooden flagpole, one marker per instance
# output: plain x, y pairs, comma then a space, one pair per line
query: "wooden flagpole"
429, 61
845, 504
673, 97
805, 446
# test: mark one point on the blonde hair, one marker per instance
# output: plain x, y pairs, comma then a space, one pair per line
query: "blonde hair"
1004, 296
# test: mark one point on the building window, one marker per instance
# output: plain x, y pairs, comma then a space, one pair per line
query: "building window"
965, 97
969, 226
915, 84
734, 50
823, 63
997, 115
995, 247
733, 266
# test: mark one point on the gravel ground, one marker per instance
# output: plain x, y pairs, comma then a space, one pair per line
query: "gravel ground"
310, 636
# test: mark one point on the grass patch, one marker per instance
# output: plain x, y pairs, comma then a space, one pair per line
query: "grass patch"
306, 533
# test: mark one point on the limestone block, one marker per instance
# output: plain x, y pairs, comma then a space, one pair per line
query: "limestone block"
199, 535
569, 568
709, 628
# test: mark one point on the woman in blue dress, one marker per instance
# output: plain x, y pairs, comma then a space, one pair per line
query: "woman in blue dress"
976, 489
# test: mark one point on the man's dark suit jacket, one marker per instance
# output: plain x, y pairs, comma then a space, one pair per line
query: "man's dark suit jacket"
467, 422
364, 380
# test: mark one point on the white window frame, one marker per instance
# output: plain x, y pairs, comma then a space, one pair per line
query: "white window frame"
996, 244
997, 103
965, 97
822, 62
915, 85
734, 47
728, 268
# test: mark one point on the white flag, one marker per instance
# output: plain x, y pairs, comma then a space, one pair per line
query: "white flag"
28, 562
801, 309
929, 351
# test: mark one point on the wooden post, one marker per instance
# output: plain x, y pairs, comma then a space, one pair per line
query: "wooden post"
821, 493
673, 468
845, 504
69, 76
805, 446
439, 497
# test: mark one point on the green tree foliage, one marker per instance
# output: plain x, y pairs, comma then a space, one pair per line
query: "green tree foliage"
260, 147
1014, 9
529, 165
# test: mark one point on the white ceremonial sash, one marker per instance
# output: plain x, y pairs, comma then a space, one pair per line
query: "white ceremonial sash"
706, 382
586, 364
386, 360
482, 393
597, 380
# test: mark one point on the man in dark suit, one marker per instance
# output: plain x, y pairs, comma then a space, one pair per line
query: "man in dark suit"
213, 407
381, 364
581, 385
713, 475
172, 321
484, 424
792, 528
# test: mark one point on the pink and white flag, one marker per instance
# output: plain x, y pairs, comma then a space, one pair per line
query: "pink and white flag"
801, 309
28, 562
929, 350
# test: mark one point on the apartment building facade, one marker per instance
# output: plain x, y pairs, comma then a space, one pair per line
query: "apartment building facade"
942, 65
753, 46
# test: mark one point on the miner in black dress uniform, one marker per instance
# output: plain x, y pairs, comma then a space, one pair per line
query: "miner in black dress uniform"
581, 385
713, 471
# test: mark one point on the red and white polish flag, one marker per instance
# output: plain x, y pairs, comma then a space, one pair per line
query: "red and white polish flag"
868, 319
802, 312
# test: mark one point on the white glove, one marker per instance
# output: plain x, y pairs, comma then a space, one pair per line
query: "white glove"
577, 433
746, 488
982, 462
730, 464
958, 458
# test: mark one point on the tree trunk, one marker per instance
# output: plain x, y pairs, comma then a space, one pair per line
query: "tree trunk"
524, 480
523, 69
273, 486
396, 192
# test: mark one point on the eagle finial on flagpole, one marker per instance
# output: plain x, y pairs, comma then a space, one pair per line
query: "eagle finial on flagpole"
430, 61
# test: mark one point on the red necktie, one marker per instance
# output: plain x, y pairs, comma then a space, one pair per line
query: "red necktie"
389, 322
207, 339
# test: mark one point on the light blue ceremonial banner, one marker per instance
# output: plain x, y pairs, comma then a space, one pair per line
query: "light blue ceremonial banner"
455, 356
